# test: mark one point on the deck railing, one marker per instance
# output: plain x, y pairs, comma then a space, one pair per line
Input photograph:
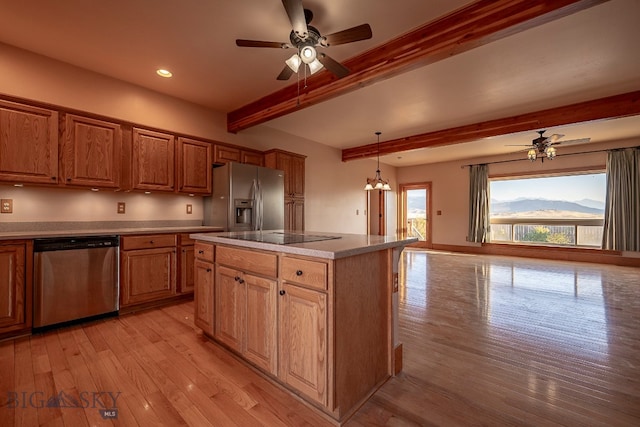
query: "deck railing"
564, 232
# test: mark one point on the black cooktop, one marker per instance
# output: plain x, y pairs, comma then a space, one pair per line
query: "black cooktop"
281, 238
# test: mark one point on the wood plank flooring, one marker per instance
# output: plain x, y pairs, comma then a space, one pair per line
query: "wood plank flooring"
487, 340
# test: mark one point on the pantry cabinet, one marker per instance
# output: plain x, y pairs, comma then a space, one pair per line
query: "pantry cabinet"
15, 287
28, 144
153, 165
293, 166
90, 152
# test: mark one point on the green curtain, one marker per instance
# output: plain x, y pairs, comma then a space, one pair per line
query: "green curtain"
478, 203
622, 206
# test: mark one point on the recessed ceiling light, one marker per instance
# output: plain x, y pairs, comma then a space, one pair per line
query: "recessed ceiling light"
164, 73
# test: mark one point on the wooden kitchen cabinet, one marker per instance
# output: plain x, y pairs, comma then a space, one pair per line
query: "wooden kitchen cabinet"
194, 166
203, 296
90, 152
15, 287
28, 144
293, 166
303, 340
245, 304
153, 161
227, 153
186, 259
147, 268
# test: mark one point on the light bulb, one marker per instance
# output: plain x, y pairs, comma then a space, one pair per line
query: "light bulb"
308, 54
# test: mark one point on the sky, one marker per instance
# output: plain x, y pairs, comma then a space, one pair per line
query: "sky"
570, 188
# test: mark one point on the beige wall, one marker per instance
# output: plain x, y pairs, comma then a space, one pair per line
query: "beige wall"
335, 199
450, 183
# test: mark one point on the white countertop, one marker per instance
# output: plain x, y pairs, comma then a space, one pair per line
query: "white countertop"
343, 246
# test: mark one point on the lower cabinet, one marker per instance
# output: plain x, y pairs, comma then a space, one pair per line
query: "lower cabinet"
147, 268
186, 258
303, 325
245, 305
203, 296
15, 287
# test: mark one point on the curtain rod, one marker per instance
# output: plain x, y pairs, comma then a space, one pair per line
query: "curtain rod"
557, 155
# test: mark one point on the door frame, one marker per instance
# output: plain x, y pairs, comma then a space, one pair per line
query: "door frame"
402, 214
382, 211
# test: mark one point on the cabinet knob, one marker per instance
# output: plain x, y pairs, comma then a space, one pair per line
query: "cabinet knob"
151, 241
208, 270
201, 252
236, 278
68, 179
299, 273
241, 281
53, 178
282, 292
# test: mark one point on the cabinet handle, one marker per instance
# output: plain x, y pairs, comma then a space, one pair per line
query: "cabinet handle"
68, 179
241, 281
151, 241
299, 273
282, 292
208, 270
201, 252
53, 178
236, 278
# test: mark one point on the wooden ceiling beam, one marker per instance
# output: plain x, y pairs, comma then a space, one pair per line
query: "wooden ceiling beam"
624, 105
471, 26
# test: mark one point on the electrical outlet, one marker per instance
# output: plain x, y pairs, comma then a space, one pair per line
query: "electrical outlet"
189, 209
6, 205
121, 207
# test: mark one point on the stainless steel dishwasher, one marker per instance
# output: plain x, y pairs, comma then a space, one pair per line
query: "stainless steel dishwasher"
74, 278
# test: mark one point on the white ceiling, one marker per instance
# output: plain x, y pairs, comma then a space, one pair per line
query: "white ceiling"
588, 55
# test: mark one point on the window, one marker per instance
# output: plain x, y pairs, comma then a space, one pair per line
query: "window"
565, 210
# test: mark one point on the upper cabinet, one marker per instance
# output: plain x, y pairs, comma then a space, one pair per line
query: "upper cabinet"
293, 166
28, 144
194, 166
153, 160
227, 153
91, 151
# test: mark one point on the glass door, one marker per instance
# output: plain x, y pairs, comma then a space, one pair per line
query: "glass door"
416, 212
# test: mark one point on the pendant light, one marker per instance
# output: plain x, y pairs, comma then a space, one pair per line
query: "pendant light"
377, 183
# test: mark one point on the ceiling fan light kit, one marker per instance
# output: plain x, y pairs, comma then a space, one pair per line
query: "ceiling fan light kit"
544, 146
307, 39
377, 183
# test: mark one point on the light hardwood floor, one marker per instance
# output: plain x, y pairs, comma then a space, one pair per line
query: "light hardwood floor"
487, 341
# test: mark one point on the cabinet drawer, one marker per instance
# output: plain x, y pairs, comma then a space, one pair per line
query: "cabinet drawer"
148, 241
185, 240
203, 251
304, 272
262, 263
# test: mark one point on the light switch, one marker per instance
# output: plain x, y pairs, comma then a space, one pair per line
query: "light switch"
121, 207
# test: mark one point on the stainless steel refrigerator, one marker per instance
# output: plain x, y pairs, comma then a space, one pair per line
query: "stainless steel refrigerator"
245, 197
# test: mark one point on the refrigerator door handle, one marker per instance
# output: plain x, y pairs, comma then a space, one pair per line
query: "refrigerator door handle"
259, 206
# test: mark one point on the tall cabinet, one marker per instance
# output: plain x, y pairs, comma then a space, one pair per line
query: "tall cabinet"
293, 166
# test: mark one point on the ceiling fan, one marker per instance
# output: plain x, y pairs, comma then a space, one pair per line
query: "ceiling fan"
306, 38
544, 145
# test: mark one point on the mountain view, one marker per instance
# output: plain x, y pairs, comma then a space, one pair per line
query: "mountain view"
545, 208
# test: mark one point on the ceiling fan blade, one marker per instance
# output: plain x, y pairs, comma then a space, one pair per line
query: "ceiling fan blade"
295, 12
334, 66
354, 34
553, 138
259, 43
519, 145
286, 73
574, 141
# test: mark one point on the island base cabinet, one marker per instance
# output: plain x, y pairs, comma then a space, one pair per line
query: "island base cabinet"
245, 316
203, 296
303, 341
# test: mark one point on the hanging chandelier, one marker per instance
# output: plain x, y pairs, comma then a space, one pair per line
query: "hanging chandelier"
377, 183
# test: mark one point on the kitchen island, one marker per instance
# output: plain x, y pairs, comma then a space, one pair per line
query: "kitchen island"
316, 312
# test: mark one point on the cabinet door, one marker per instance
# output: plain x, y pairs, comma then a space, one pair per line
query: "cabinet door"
91, 152
225, 154
303, 341
187, 279
251, 158
194, 166
147, 275
13, 298
203, 296
296, 176
153, 160
261, 322
28, 144
229, 312
294, 214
